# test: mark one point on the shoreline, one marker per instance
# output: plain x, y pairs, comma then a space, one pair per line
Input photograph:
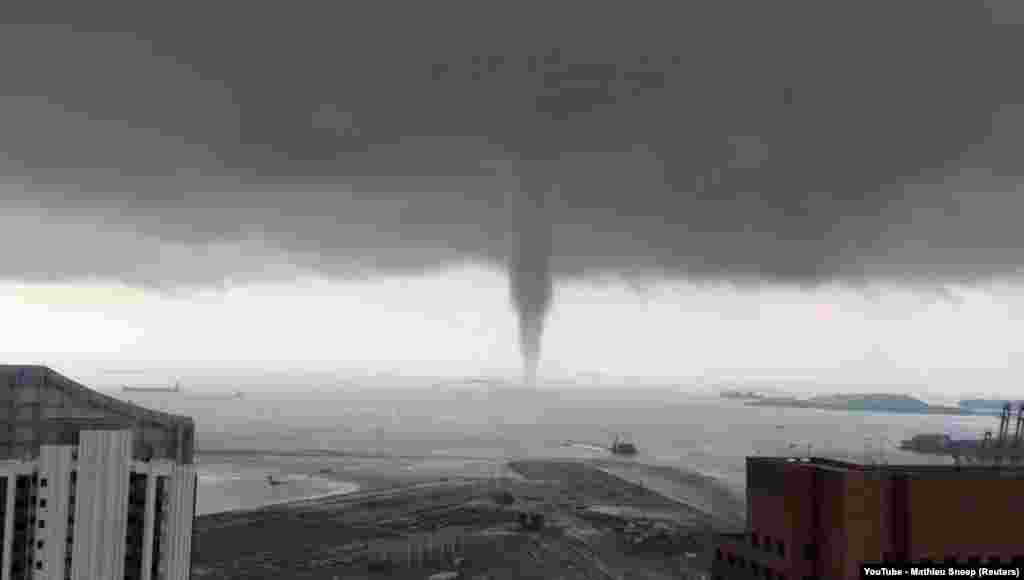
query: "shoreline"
329, 454
299, 498
592, 514
357, 476
322, 502
700, 493
695, 491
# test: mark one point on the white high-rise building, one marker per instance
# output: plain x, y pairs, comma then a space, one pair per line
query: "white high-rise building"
84, 498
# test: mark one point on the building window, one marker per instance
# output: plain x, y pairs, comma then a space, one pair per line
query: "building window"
742, 562
158, 524
781, 548
39, 544
731, 559
42, 523
42, 482
718, 554
756, 568
39, 564
754, 539
810, 552
42, 502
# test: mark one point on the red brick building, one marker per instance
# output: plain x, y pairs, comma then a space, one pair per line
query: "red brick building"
820, 519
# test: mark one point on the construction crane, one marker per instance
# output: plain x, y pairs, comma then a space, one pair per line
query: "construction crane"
1005, 441
1018, 436
999, 446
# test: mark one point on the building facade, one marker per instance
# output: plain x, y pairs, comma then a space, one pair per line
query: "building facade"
811, 518
82, 498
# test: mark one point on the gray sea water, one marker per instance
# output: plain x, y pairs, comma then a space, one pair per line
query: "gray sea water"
709, 435
224, 486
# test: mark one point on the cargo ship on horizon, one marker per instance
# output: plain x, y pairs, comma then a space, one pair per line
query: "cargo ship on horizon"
175, 389
618, 446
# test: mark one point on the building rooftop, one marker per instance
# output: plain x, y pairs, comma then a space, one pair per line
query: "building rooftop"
39, 405
1007, 470
24, 376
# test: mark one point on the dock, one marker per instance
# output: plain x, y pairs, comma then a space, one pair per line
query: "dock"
994, 449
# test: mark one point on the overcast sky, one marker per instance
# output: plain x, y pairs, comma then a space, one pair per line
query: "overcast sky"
737, 186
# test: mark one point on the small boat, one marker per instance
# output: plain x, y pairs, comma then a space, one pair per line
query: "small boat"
620, 447
272, 481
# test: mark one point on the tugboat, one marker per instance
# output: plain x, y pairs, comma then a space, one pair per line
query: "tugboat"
620, 447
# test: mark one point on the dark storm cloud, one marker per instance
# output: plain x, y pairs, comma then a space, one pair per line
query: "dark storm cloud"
744, 141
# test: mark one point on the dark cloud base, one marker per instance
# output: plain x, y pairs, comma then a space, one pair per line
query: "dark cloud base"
751, 142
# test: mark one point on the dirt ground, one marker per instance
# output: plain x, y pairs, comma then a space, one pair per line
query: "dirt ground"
595, 526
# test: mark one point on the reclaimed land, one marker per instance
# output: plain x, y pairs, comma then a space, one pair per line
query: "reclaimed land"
595, 525
878, 403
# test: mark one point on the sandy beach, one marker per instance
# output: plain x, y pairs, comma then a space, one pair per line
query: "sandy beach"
702, 493
227, 486
239, 481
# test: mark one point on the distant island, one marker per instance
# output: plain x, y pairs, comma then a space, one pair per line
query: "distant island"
885, 403
984, 406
